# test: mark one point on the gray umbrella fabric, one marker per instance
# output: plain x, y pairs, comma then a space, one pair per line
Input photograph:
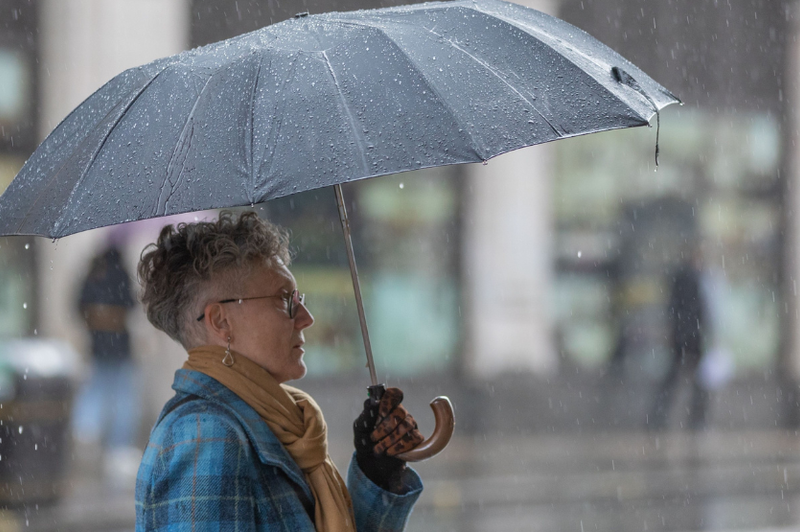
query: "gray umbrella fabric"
319, 100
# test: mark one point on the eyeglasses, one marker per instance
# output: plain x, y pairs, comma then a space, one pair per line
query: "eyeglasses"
295, 299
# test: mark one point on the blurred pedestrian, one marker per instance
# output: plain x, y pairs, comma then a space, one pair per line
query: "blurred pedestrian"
686, 312
107, 409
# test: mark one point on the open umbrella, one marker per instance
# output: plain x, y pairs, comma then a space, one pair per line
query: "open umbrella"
322, 100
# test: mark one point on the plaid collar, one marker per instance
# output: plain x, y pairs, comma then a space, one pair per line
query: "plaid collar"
269, 448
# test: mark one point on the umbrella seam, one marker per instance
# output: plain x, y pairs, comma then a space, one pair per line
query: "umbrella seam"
432, 87
277, 128
251, 133
189, 120
60, 220
496, 73
351, 118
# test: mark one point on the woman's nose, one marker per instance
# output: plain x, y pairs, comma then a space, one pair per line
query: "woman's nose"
304, 318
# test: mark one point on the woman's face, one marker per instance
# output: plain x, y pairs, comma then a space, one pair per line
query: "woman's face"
262, 330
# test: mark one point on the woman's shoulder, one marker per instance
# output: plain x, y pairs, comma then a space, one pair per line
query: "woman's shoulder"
195, 431
190, 417
197, 439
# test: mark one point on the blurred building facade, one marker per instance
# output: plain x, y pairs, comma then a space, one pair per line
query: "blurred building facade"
542, 263
19, 53
724, 189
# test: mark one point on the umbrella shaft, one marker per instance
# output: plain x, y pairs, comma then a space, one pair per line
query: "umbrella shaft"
348, 243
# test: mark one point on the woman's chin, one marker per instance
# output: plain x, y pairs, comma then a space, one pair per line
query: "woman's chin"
298, 372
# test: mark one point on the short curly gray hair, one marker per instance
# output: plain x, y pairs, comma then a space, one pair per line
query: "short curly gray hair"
194, 263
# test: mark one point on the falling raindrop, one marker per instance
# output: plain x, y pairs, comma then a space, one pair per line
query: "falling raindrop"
580, 253
25, 305
20, 429
27, 246
402, 185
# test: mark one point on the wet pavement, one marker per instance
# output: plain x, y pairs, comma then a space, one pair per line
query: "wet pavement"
620, 481
97, 496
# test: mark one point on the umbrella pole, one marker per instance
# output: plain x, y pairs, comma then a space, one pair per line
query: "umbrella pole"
348, 243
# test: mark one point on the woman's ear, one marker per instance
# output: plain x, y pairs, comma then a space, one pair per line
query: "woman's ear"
217, 322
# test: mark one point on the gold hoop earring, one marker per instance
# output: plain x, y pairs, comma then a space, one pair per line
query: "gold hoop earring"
228, 359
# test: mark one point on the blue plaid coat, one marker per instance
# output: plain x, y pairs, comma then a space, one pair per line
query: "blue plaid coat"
213, 464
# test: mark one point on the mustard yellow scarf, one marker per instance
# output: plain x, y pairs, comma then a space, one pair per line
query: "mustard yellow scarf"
296, 420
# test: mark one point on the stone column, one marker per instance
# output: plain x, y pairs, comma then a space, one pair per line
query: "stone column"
84, 44
508, 264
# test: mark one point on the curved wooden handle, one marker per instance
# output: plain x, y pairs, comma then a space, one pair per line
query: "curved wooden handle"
438, 440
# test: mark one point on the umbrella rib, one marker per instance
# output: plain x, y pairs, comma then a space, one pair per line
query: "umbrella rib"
496, 73
274, 133
251, 133
186, 134
350, 117
60, 219
434, 90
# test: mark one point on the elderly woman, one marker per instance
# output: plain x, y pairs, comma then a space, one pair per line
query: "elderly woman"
236, 448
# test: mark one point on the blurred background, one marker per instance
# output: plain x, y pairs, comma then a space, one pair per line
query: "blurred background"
538, 291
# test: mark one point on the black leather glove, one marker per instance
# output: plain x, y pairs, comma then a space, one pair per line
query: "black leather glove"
382, 430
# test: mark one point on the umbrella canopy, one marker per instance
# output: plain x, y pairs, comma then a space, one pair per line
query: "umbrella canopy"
320, 100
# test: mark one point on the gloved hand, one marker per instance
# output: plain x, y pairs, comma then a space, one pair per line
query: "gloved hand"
383, 430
